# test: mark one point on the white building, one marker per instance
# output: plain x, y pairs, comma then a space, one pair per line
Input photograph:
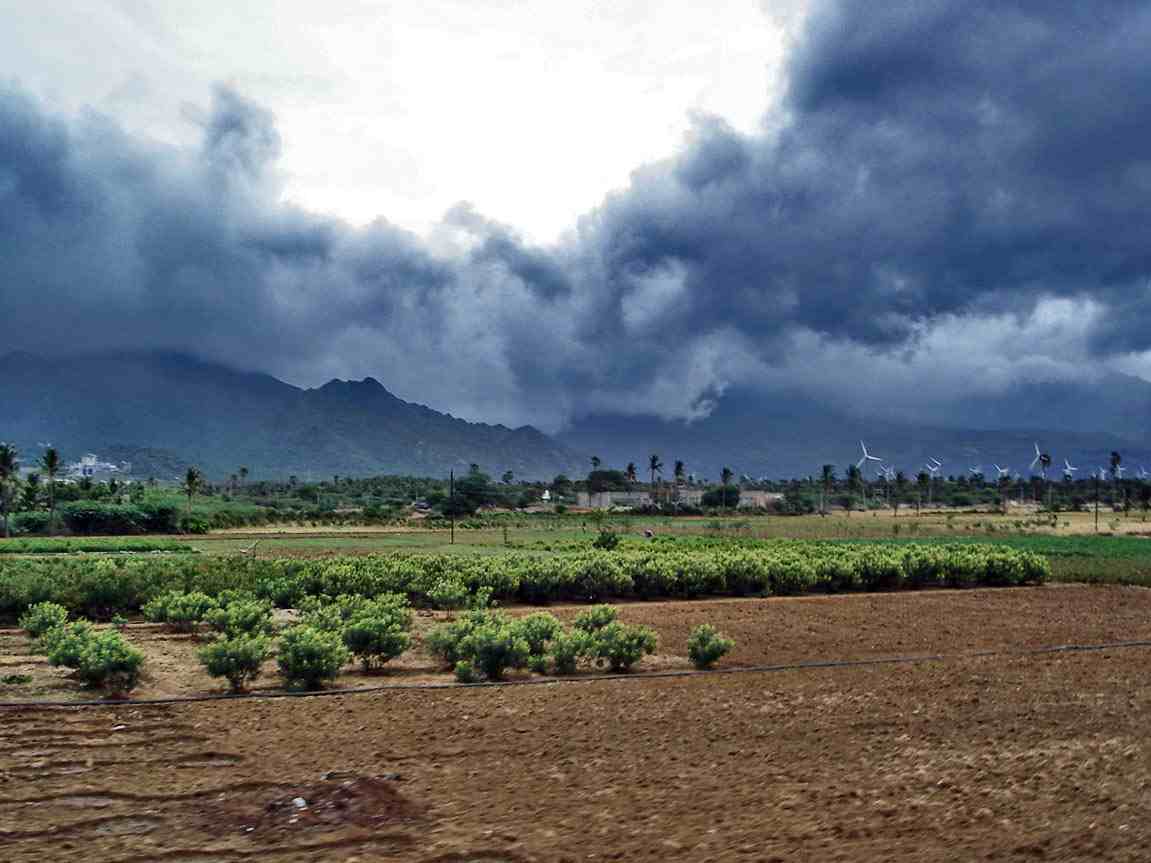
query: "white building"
91, 467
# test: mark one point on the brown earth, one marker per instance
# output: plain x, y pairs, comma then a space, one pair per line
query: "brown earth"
1040, 757
766, 631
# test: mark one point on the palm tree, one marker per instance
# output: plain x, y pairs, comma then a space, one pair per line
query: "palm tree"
31, 492
725, 478
192, 481
50, 464
828, 477
654, 465
630, 472
900, 491
9, 466
595, 463
243, 474
679, 471
854, 478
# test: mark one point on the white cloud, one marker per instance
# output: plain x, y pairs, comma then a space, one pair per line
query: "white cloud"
402, 109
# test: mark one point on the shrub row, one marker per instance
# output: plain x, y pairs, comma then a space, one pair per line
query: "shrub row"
100, 659
484, 644
102, 587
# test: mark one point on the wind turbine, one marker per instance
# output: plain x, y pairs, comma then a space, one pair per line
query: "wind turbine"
1143, 473
864, 459
1004, 472
1068, 470
866, 456
933, 465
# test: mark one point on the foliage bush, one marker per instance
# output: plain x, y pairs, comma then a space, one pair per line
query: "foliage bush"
495, 647
42, 617
375, 640
241, 617
607, 540
568, 648
308, 657
181, 611
239, 658
109, 662
595, 618
621, 646
64, 644
465, 672
537, 630
100, 588
706, 646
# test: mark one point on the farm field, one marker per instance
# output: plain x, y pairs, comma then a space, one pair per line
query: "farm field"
1008, 757
771, 631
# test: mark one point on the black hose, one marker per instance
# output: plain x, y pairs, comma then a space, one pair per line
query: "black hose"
592, 678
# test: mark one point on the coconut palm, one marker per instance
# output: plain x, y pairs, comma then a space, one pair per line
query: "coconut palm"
654, 466
854, 482
596, 461
630, 472
193, 479
725, 476
50, 464
9, 466
828, 479
31, 492
679, 471
243, 474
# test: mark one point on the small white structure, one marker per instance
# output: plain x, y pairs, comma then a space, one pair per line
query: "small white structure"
91, 467
546, 496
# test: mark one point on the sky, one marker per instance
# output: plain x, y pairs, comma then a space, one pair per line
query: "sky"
529, 211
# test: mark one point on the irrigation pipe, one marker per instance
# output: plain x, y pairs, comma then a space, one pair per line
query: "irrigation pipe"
807, 665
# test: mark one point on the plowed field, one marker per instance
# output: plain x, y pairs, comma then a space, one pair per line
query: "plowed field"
1006, 757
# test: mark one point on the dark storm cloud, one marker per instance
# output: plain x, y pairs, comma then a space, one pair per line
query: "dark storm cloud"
933, 161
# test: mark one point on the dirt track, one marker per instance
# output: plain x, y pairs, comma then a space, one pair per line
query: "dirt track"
968, 759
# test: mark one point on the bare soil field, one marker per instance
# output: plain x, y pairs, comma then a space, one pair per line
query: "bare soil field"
969, 758
772, 631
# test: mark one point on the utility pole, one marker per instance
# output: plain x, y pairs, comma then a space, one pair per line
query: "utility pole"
452, 506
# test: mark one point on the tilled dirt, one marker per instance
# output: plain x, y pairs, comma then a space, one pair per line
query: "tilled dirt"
766, 631
970, 758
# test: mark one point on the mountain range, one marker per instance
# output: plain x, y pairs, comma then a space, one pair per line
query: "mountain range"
163, 411
173, 409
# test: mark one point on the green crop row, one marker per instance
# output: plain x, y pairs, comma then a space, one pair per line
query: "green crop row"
100, 588
73, 545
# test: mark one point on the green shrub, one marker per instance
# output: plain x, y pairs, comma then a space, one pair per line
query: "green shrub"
538, 663
43, 616
449, 594
443, 642
494, 648
568, 648
241, 617
596, 617
621, 645
375, 640
65, 644
181, 611
238, 658
465, 672
706, 646
109, 662
332, 615
606, 541
537, 630
308, 656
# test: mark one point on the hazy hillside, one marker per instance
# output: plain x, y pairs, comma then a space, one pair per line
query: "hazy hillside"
220, 418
